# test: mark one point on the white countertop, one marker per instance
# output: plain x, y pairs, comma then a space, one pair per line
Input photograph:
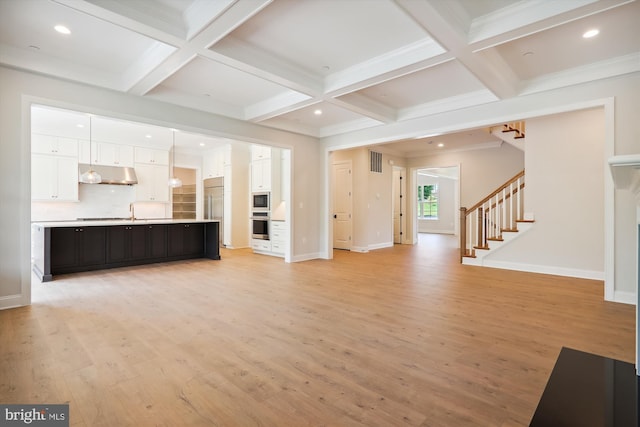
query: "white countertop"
95, 223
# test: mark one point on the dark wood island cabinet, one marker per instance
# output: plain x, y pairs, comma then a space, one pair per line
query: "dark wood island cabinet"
61, 248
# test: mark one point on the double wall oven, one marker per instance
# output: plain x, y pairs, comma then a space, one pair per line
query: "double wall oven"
260, 210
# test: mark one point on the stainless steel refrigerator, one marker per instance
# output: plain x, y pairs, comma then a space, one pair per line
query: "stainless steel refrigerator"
214, 202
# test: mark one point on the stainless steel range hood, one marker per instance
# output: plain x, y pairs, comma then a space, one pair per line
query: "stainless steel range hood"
112, 174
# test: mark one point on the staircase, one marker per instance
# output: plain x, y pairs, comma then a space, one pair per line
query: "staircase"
493, 222
512, 133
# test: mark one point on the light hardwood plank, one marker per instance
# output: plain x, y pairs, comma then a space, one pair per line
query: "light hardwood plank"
398, 336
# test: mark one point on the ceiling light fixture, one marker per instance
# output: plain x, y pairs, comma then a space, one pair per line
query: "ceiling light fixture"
173, 181
90, 176
591, 33
441, 145
202, 144
147, 136
79, 125
62, 29
318, 112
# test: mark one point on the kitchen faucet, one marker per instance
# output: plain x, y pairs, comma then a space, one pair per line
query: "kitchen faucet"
132, 211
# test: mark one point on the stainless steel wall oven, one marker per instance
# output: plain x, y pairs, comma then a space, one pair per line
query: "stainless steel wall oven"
260, 225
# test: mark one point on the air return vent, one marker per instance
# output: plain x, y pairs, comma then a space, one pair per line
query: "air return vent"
375, 160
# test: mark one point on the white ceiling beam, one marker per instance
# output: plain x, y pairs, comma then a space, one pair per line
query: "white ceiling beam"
277, 105
492, 72
201, 13
232, 17
111, 12
365, 106
413, 57
525, 18
457, 102
240, 55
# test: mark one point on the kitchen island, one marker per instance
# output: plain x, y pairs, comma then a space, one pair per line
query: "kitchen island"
62, 247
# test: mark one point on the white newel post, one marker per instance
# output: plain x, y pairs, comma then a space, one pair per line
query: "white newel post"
626, 176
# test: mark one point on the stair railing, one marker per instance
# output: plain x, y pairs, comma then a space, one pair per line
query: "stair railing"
517, 127
486, 220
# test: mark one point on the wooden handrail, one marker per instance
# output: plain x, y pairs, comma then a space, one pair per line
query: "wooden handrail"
486, 199
483, 213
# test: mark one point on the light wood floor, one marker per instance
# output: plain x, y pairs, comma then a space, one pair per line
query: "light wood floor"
398, 336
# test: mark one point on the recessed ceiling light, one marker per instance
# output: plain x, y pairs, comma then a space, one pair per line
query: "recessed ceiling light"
34, 47
591, 33
79, 125
527, 53
62, 29
147, 136
440, 145
318, 112
202, 144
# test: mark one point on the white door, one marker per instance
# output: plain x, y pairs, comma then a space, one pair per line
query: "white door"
399, 205
342, 224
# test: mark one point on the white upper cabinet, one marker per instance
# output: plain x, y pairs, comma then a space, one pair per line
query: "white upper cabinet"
54, 178
105, 153
261, 175
113, 154
214, 161
153, 183
259, 152
54, 145
260, 168
151, 156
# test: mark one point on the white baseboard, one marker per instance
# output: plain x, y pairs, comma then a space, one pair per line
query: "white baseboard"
381, 246
545, 269
438, 231
624, 297
306, 257
11, 301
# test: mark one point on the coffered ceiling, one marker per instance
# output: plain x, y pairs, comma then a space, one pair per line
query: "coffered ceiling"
361, 63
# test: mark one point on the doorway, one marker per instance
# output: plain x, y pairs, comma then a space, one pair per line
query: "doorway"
342, 204
184, 197
438, 200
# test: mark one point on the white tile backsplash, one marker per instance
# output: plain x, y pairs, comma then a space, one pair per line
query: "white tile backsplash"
99, 201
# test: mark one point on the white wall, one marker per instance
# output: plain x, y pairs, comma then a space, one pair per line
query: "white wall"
372, 199
20, 89
565, 191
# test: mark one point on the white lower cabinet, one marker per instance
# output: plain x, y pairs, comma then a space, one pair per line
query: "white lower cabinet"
54, 178
152, 183
279, 236
260, 245
277, 245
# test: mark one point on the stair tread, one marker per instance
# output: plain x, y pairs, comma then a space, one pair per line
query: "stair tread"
495, 239
525, 220
486, 248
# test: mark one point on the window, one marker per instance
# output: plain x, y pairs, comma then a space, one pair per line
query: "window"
428, 201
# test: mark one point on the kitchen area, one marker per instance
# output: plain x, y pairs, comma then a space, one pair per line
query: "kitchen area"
152, 176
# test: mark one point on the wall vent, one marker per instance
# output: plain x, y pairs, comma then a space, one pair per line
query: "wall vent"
375, 160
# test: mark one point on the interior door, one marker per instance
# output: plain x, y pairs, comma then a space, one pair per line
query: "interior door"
399, 216
342, 221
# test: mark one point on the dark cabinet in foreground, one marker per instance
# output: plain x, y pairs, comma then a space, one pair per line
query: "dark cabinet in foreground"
77, 248
186, 240
59, 250
132, 243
